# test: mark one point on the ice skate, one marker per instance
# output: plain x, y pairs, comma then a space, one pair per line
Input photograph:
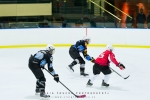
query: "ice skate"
89, 83
37, 91
70, 68
84, 74
44, 96
104, 84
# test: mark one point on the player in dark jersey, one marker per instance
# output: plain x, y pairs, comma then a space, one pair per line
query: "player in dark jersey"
75, 50
38, 61
102, 65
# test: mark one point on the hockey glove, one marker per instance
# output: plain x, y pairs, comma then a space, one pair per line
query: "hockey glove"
87, 57
56, 78
121, 66
92, 60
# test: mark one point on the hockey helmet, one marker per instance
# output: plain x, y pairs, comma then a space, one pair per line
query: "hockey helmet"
50, 48
87, 39
110, 47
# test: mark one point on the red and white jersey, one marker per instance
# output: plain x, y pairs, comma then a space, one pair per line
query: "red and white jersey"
103, 58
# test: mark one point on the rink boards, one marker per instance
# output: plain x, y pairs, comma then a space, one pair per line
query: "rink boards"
64, 37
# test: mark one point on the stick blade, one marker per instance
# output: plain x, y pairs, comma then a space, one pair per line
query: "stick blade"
82, 96
126, 77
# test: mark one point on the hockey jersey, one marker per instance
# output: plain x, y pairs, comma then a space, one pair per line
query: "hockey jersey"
42, 58
104, 57
81, 46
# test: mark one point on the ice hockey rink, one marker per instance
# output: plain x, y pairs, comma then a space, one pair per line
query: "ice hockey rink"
18, 82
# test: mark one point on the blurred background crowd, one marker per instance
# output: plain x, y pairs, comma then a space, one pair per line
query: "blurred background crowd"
74, 13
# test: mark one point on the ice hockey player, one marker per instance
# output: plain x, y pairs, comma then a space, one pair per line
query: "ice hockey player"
37, 62
75, 50
102, 65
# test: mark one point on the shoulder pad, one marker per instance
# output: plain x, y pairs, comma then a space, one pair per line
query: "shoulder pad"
43, 51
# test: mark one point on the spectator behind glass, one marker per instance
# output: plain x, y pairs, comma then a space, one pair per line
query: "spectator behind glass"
148, 19
140, 19
64, 23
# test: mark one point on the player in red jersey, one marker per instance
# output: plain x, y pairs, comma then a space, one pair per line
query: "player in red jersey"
102, 65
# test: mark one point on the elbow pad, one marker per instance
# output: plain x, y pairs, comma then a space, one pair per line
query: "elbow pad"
92, 60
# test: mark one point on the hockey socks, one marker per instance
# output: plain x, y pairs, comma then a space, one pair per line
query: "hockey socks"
82, 72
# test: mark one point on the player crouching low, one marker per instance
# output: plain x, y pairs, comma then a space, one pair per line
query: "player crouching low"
74, 51
37, 63
102, 65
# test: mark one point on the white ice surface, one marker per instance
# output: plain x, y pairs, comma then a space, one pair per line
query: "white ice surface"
18, 83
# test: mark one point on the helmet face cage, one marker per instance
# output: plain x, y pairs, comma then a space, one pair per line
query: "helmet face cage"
51, 49
110, 47
87, 39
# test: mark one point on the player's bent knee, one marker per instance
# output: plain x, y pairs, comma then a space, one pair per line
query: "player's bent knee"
81, 61
107, 72
82, 65
42, 79
77, 61
96, 72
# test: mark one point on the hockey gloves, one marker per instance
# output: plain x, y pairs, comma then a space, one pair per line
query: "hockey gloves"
121, 66
87, 57
92, 60
56, 78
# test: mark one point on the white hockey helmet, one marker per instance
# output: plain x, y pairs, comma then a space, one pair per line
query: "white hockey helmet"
109, 47
50, 48
87, 39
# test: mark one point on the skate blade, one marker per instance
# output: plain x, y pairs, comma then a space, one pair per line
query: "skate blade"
69, 69
37, 93
84, 76
104, 86
43, 98
88, 85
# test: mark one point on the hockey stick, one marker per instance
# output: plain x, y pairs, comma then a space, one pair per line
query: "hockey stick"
78, 96
119, 74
